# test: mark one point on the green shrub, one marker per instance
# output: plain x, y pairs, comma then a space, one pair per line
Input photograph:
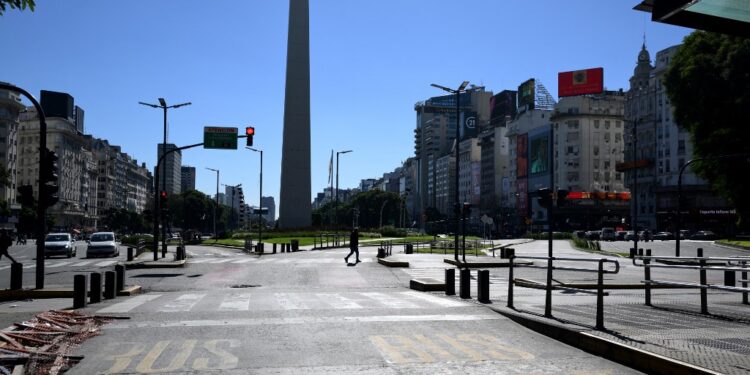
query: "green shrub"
390, 231
545, 235
133, 239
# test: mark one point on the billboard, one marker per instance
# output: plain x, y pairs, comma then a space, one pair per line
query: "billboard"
469, 125
539, 155
580, 82
526, 94
502, 105
449, 101
522, 202
522, 155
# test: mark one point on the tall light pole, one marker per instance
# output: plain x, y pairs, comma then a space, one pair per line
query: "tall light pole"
260, 195
163, 105
217, 197
336, 205
457, 204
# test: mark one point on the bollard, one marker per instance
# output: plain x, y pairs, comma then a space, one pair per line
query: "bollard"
507, 252
16, 276
381, 252
730, 278
95, 288
274, 248
600, 296
260, 247
510, 282
295, 245
647, 276
130, 254
640, 252
109, 285
164, 250
632, 252
80, 291
702, 275
450, 281
464, 288
483, 286
119, 277
409, 248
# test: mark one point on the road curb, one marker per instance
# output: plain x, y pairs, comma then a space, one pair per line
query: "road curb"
130, 290
393, 263
155, 264
493, 264
629, 356
14, 295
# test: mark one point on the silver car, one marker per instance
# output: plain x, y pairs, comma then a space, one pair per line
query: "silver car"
103, 244
59, 244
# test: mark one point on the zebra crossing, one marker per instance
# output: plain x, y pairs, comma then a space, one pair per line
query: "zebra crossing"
269, 260
246, 301
65, 263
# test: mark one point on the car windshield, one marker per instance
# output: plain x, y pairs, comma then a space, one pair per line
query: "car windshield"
57, 237
101, 237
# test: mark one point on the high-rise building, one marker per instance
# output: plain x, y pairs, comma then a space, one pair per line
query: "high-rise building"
295, 206
270, 204
10, 107
187, 179
170, 173
494, 155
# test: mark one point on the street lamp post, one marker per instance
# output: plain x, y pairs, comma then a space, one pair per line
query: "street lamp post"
336, 205
260, 196
217, 197
635, 187
163, 105
457, 204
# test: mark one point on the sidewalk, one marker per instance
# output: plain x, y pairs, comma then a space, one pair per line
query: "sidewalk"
669, 336
146, 260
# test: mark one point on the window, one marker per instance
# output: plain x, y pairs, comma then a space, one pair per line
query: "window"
681, 147
596, 150
606, 124
596, 124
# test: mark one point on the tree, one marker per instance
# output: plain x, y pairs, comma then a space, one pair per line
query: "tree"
16, 4
708, 83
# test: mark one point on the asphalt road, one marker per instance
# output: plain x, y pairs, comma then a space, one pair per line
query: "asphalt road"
58, 270
309, 312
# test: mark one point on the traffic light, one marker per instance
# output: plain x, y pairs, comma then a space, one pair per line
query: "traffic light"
162, 199
544, 197
561, 195
25, 195
49, 184
250, 132
466, 209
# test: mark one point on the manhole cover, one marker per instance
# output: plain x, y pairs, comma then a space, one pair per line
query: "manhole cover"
244, 286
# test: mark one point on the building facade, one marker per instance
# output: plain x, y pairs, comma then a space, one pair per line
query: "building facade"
170, 172
10, 108
187, 181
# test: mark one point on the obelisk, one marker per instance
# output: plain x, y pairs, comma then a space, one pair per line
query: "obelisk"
295, 209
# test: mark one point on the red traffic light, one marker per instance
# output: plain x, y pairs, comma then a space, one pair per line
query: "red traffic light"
163, 194
249, 130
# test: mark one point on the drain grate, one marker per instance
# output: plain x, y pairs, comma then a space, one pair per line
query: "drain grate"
240, 286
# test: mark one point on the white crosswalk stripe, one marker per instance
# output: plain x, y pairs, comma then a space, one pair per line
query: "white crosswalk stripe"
130, 304
390, 301
85, 262
338, 301
239, 261
106, 263
60, 264
184, 302
236, 302
289, 302
444, 302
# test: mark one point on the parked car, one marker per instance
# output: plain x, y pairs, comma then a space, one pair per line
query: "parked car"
103, 244
608, 234
620, 235
580, 233
630, 236
664, 236
703, 235
59, 244
593, 235
684, 234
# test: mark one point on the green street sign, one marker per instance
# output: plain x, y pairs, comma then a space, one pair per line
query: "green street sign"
220, 138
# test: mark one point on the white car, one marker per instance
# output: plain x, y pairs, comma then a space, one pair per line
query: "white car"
103, 244
59, 244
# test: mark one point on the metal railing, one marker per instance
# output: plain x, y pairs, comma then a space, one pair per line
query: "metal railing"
729, 265
600, 270
330, 240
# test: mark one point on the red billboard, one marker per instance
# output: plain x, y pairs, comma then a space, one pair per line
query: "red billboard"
580, 82
522, 155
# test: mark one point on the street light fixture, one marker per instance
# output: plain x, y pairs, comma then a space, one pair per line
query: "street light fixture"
260, 195
217, 197
163, 105
457, 204
336, 206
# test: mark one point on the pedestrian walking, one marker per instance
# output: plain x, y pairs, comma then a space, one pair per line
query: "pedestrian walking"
5, 242
353, 246
19, 239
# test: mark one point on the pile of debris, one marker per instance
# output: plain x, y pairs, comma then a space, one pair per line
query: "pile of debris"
43, 344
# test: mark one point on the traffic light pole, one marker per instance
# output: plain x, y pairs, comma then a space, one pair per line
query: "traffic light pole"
41, 209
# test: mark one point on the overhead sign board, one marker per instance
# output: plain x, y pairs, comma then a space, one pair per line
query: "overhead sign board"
580, 82
223, 138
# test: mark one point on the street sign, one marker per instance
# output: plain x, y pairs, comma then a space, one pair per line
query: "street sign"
220, 137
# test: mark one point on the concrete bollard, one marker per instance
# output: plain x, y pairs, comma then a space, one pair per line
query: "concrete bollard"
465, 283
130, 254
119, 277
507, 252
16, 276
295, 245
80, 291
483, 286
409, 249
274, 248
450, 281
109, 285
730, 278
95, 288
632, 252
260, 247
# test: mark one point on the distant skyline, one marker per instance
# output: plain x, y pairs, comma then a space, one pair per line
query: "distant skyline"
369, 63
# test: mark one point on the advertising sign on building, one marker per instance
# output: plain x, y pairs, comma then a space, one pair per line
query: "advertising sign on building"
526, 94
580, 82
469, 125
539, 155
522, 155
521, 197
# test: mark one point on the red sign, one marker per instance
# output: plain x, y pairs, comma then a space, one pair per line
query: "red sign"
580, 82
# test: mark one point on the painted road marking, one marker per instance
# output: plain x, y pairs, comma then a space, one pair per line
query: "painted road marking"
171, 356
390, 301
338, 301
202, 260
236, 302
288, 302
420, 348
445, 302
58, 264
32, 265
105, 263
4, 268
130, 304
243, 260
214, 261
184, 302
305, 320
85, 262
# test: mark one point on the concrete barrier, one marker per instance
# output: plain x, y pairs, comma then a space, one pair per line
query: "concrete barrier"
80, 291
109, 285
95, 293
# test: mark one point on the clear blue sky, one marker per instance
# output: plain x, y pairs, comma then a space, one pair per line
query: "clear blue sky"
370, 62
